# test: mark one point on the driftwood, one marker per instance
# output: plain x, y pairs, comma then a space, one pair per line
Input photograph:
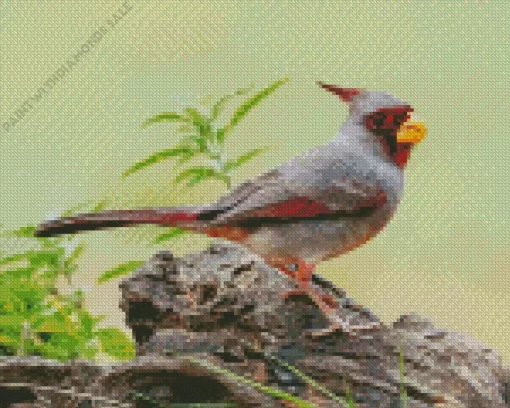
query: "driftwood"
202, 321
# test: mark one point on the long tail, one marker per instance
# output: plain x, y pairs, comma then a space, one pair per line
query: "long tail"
185, 217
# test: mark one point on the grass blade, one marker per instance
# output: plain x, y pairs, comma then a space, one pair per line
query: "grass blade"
174, 232
156, 158
163, 117
349, 397
314, 384
402, 373
119, 270
268, 390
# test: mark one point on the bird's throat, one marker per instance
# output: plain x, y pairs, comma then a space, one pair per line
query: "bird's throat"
401, 154
398, 152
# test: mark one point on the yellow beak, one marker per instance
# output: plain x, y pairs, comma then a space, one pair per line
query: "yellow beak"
411, 132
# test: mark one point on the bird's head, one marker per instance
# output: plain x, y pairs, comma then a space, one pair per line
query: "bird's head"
387, 118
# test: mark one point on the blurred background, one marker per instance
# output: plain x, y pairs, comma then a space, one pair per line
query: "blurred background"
445, 255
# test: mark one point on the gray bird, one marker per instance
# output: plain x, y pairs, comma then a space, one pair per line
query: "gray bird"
323, 203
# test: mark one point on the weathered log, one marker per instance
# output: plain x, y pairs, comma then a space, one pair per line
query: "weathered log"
227, 303
204, 320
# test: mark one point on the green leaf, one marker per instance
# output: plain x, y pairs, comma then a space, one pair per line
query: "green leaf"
194, 117
88, 323
197, 179
156, 158
116, 343
219, 106
52, 258
348, 396
187, 157
53, 324
120, 270
12, 341
200, 172
163, 117
246, 157
247, 106
174, 232
15, 258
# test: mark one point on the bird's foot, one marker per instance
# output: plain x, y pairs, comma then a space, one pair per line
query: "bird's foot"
329, 306
326, 299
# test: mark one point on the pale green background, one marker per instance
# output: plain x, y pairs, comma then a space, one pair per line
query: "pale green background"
445, 254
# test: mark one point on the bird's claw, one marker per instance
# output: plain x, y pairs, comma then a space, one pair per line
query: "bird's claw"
326, 299
327, 305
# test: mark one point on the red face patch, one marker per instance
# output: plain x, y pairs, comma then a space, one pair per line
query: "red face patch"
385, 123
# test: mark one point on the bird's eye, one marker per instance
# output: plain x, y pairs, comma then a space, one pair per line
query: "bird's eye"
380, 120
375, 121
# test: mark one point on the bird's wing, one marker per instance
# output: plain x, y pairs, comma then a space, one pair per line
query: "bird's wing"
285, 196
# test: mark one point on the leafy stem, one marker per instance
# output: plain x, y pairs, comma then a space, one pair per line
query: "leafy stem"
203, 136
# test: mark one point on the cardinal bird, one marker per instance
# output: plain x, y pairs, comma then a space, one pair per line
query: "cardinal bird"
321, 204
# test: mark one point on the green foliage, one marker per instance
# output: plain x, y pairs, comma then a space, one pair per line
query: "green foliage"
37, 316
220, 105
202, 137
197, 174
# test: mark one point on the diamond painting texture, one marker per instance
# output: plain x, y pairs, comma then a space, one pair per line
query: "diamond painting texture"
78, 80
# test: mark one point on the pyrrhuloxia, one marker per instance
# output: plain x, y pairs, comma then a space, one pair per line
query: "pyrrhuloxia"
318, 205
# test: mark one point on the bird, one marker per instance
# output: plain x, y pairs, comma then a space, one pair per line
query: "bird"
319, 205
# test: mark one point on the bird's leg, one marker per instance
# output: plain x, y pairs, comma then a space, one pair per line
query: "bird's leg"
302, 275
325, 303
